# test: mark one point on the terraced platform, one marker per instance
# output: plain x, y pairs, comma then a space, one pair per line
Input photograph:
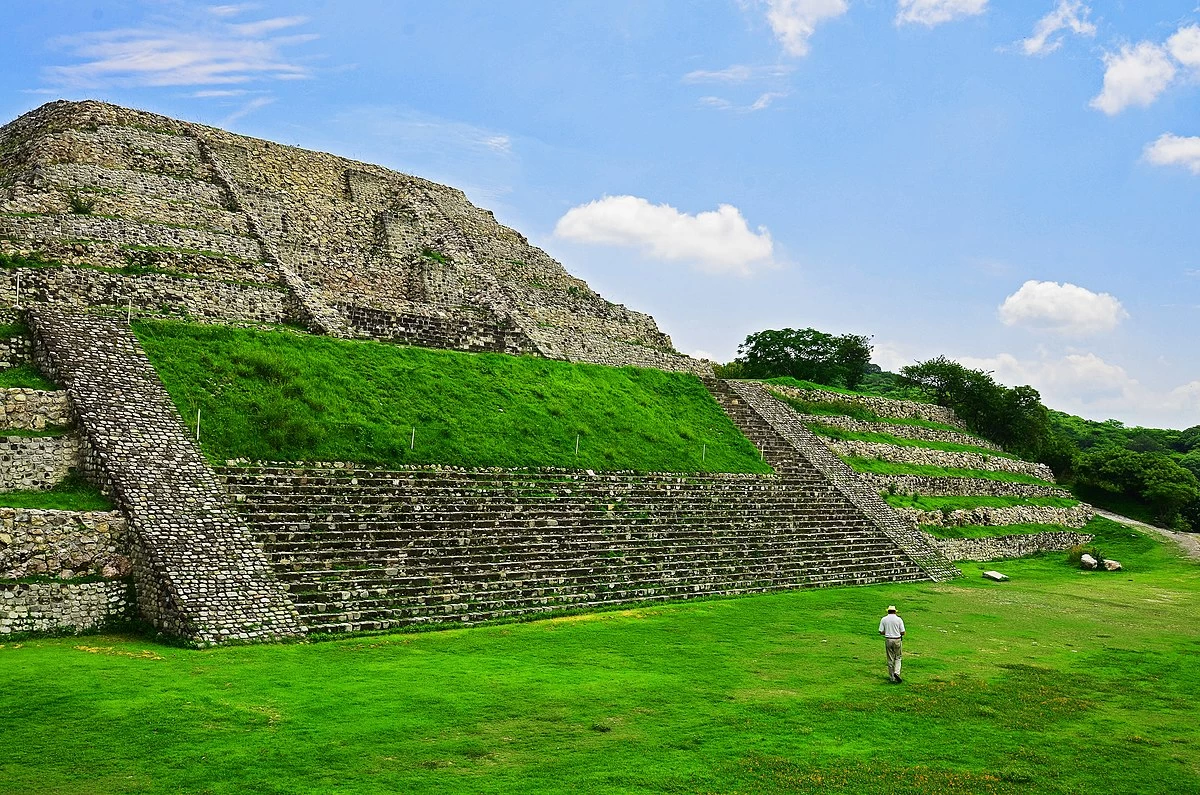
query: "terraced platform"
369, 550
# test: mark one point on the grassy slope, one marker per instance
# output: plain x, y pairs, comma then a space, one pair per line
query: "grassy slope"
25, 376
901, 441
281, 396
994, 531
1057, 681
879, 467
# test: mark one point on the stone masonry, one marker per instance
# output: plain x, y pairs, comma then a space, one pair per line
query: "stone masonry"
63, 544
198, 572
54, 607
883, 407
33, 409
37, 463
119, 191
1009, 546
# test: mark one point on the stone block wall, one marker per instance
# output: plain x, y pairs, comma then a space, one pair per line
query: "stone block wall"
36, 463
932, 486
53, 607
33, 409
1075, 517
944, 458
198, 572
1009, 546
63, 544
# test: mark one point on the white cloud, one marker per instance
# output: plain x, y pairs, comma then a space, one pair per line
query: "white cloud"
1067, 15
764, 101
1065, 308
246, 110
1175, 150
186, 52
717, 103
717, 241
231, 10
935, 12
1134, 76
795, 21
738, 73
1184, 46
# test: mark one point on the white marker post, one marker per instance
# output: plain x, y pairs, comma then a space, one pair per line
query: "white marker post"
703, 453
577, 444
197, 425
412, 443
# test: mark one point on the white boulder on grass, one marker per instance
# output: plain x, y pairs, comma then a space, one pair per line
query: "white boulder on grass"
1088, 562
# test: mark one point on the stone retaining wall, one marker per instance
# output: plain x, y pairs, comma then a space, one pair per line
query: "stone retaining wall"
36, 463
63, 544
14, 351
198, 572
943, 458
1075, 517
903, 431
883, 407
54, 607
931, 486
1012, 546
33, 409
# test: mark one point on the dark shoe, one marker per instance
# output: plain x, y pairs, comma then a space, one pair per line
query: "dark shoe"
898, 680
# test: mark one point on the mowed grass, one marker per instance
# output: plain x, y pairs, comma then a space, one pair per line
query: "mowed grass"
71, 494
289, 397
25, 376
1057, 681
926, 503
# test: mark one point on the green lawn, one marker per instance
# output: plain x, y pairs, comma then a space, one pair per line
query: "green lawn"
902, 441
1057, 681
879, 467
72, 494
285, 396
1096, 526
974, 501
25, 376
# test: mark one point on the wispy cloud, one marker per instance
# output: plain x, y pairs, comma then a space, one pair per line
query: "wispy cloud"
245, 110
739, 73
1175, 150
795, 21
204, 50
764, 101
1069, 15
934, 12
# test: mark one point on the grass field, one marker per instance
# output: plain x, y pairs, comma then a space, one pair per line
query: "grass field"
73, 493
926, 503
879, 467
25, 376
901, 441
1057, 681
284, 396
1098, 527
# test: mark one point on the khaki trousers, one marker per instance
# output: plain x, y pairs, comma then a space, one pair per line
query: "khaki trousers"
894, 650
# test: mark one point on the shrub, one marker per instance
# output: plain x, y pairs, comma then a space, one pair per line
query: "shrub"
81, 204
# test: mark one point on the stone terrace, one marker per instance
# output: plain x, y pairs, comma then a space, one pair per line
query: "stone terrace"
369, 549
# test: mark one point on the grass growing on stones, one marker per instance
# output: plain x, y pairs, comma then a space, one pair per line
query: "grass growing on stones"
33, 433
73, 493
845, 408
282, 396
1098, 526
926, 503
886, 438
1058, 681
877, 467
25, 376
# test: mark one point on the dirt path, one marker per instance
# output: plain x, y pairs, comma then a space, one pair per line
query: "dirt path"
1186, 541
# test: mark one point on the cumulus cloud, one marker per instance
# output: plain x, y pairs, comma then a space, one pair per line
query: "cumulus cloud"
717, 241
1134, 76
1175, 150
935, 12
1069, 15
1064, 308
1184, 46
187, 52
795, 21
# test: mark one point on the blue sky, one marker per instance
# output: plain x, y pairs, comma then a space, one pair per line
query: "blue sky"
1012, 184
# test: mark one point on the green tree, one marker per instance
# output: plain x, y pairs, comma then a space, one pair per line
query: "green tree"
806, 354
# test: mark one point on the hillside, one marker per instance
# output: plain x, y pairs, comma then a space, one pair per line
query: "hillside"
284, 396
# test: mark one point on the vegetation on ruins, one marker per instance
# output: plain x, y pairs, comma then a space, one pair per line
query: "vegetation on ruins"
1018, 687
282, 396
73, 493
834, 432
805, 354
967, 502
25, 376
992, 531
876, 466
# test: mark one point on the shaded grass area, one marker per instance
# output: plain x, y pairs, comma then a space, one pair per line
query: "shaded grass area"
886, 438
73, 493
282, 396
1057, 681
1117, 503
25, 376
925, 503
994, 531
878, 467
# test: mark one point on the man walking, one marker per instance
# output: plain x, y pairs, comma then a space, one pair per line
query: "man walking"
891, 627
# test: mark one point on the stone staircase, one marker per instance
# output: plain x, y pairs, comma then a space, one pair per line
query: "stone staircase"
369, 550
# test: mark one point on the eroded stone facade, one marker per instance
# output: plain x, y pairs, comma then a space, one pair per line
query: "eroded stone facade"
52, 607
63, 544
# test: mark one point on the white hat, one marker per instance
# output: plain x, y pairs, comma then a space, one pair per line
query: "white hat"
891, 608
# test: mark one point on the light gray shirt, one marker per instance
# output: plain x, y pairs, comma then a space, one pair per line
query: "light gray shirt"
892, 626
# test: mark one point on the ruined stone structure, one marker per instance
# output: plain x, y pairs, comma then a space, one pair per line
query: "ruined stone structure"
159, 215
106, 212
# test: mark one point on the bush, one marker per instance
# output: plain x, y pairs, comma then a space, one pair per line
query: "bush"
1075, 554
